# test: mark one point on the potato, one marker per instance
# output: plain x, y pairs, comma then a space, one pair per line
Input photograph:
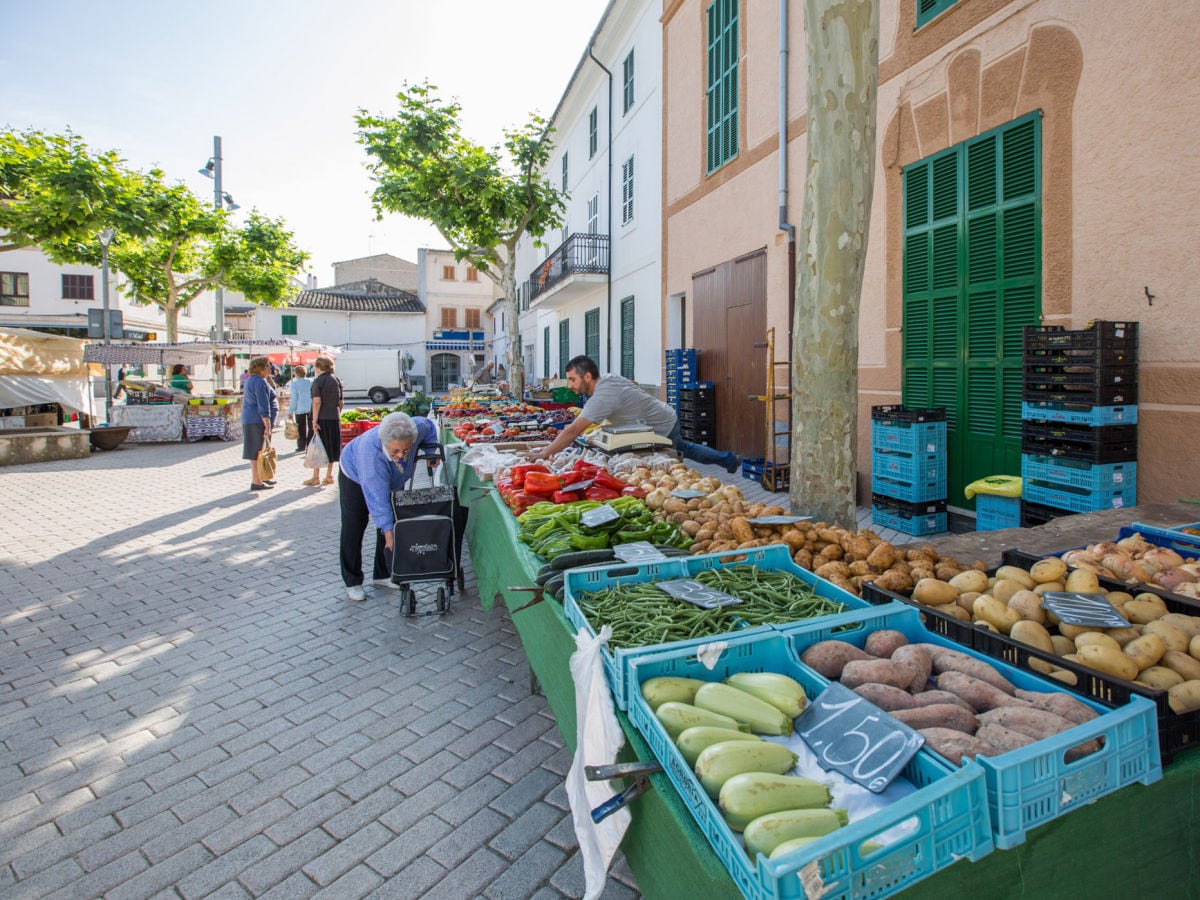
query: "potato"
884, 642
939, 715
1060, 703
896, 581
1073, 631
970, 580
919, 659
1062, 645
955, 745
1040, 589
887, 697
1001, 738
947, 659
1119, 598
1005, 588
830, 657
1105, 659
1033, 634
1176, 638
1193, 646
1184, 622
1183, 663
881, 671
967, 600
1083, 582
882, 556
1146, 651
1028, 720
1048, 570
1185, 697
1096, 639
1147, 597
1142, 612
1017, 574
991, 610
1122, 635
932, 592
953, 610
1028, 605
979, 694
1159, 677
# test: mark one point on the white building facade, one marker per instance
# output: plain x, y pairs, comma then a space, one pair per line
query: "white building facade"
595, 287
457, 299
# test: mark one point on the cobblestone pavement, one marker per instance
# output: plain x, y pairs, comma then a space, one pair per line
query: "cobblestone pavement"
190, 706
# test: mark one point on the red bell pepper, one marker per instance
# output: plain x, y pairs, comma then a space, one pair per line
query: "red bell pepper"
520, 471
566, 495
605, 479
542, 482
633, 491
598, 492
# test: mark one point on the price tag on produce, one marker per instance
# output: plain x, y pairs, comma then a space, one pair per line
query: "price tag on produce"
778, 520
638, 552
1083, 609
857, 738
688, 495
601, 515
697, 594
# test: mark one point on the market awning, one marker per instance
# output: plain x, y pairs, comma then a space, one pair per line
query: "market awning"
194, 353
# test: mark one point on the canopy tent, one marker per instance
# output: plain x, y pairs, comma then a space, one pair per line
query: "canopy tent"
37, 368
198, 352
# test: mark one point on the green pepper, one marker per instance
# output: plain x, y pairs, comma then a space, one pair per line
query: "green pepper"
581, 541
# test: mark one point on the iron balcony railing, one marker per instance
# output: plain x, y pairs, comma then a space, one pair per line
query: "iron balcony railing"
579, 254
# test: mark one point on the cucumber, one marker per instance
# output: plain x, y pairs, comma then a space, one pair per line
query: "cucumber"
554, 586
581, 558
545, 573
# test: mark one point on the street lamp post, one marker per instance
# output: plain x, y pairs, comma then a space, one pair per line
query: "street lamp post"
106, 237
212, 169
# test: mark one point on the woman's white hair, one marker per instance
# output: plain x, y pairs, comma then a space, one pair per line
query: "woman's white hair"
397, 426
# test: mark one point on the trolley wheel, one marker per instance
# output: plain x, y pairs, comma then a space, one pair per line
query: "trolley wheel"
408, 602
442, 605
462, 582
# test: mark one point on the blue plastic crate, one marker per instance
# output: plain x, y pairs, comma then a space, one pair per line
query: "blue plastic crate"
948, 811
679, 354
1079, 413
772, 558
1035, 784
890, 517
992, 512
909, 437
925, 468
909, 492
1077, 499
1076, 473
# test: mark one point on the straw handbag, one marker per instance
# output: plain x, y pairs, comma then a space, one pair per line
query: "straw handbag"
266, 459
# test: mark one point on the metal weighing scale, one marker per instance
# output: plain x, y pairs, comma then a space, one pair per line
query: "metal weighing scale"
626, 439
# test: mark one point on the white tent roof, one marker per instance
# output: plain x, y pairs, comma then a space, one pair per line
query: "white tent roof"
37, 368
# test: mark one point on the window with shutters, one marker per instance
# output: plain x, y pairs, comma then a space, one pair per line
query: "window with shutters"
78, 287
564, 173
627, 83
627, 308
627, 191
472, 318
972, 281
931, 9
546, 352
448, 273
564, 346
449, 317
472, 273
591, 334
593, 214
593, 132
14, 288
287, 325
722, 79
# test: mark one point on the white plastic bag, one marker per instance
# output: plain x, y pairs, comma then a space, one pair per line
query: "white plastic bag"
315, 456
598, 737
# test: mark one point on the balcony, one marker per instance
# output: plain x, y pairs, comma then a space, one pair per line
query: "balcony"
575, 267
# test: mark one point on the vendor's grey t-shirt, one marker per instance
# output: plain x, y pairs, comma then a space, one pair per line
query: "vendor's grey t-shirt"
622, 402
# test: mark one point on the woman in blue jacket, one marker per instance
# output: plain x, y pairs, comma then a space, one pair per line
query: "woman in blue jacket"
300, 406
372, 466
260, 406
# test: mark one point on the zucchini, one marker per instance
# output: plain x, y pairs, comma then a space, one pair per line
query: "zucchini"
581, 558
554, 586
545, 573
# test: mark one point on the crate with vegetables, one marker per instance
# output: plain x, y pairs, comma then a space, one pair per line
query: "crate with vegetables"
769, 588
1002, 614
784, 825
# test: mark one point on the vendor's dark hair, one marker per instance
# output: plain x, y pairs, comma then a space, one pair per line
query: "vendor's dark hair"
583, 365
178, 369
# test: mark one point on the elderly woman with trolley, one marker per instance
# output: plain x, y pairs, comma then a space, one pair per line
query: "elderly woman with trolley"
373, 465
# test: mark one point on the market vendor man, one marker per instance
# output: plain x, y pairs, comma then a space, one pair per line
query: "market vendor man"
621, 402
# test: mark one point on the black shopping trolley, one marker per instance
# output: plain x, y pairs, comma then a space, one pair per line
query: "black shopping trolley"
428, 534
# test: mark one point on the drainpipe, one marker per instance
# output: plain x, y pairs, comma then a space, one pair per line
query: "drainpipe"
611, 242
784, 225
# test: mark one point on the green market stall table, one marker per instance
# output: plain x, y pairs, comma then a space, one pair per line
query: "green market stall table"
1135, 842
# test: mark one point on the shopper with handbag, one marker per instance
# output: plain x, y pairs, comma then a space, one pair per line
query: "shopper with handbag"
300, 407
260, 406
327, 415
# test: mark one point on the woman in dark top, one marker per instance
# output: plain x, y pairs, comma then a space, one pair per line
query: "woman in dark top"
327, 414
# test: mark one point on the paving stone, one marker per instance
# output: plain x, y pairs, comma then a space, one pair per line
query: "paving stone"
525, 793
358, 882
528, 873
470, 876
279, 867
467, 837
525, 830
241, 828
173, 870
418, 880
425, 802
349, 851
474, 797
307, 817
295, 886
403, 849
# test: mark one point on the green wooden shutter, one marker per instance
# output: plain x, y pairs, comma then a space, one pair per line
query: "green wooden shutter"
591, 334
972, 281
564, 346
929, 9
627, 334
722, 83
546, 352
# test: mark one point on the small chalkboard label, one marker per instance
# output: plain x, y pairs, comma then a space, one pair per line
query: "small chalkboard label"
778, 520
576, 487
697, 594
638, 552
601, 515
688, 495
1083, 609
857, 738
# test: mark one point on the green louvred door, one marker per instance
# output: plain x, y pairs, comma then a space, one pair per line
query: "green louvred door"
972, 281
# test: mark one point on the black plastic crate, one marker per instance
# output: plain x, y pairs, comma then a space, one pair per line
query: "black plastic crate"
910, 508
1092, 395
1120, 337
693, 407
697, 416
1034, 514
1073, 356
697, 394
697, 433
1105, 444
1085, 374
898, 413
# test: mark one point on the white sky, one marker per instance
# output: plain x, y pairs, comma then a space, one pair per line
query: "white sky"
280, 81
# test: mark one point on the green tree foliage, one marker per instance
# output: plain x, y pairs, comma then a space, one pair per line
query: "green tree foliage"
169, 246
481, 200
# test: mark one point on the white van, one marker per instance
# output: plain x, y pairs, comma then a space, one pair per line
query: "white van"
375, 374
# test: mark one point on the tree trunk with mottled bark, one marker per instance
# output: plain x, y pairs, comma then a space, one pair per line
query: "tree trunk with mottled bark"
842, 42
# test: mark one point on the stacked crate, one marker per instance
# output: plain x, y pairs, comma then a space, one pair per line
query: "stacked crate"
908, 469
1079, 411
680, 372
698, 413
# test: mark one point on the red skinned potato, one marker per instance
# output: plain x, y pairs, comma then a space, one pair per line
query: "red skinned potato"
954, 745
887, 697
917, 657
829, 657
939, 715
883, 671
946, 659
884, 642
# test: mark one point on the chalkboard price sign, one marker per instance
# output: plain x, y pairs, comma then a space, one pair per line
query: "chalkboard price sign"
685, 494
857, 738
697, 594
1092, 610
601, 515
637, 552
